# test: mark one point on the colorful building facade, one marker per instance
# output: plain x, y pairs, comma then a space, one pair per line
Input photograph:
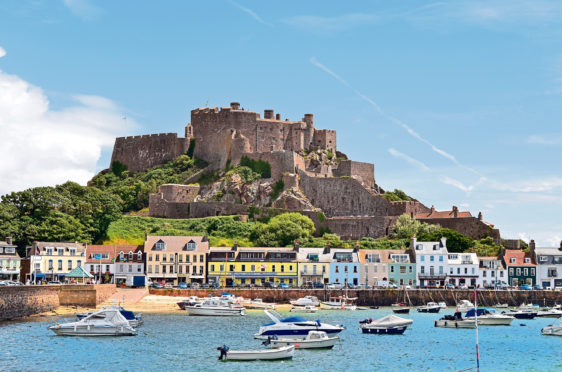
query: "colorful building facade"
401, 271
10, 262
431, 260
50, 261
521, 267
549, 266
344, 265
463, 269
313, 266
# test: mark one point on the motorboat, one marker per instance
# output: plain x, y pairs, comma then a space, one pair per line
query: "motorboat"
313, 340
501, 306
464, 305
257, 304
455, 321
285, 352
553, 329
550, 313
135, 320
304, 309
294, 326
529, 307
442, 305
489, 317
390, 324
340, 303
110, 323
215, 307
521, 314
400, 308
430, 307
306, 301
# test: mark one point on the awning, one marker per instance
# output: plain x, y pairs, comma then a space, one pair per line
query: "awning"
262, 276
197, 277
39, 275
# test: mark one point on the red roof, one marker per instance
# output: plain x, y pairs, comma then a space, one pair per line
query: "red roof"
519, 258
442, 214
111, 250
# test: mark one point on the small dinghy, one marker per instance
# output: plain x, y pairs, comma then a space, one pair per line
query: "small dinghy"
285, 352
400, 309
314, 340
111, 323
390, 324
455, 321
553, 329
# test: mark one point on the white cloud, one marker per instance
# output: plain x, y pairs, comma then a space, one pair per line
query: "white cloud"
461, 186
545, 139
536, 185
2, 52
83, 9
410, 160
43, 147
250, 12
326, 24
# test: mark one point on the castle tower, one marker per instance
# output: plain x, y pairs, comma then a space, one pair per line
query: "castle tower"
308, 130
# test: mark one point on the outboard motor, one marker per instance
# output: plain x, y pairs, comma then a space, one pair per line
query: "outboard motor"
223, 349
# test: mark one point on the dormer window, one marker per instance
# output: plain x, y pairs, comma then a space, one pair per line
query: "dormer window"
419, 247
160, 245
512, 260
139, 256
130, 255
121, 255
543, 258
527, 260
435, 247
190, 246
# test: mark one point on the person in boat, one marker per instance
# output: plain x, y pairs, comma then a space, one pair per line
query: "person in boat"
223, 349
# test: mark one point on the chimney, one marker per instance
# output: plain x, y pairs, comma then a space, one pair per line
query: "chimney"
480, 216
327, 248
235, 246
455, 211
9, 240
357, 247
297, 245
432, 210
277, 116
268, 114
413, 243
235, 105
560, 249
532, 244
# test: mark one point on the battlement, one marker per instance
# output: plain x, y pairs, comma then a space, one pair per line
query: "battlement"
162, 135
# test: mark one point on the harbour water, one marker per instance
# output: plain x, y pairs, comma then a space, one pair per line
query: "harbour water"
175, 342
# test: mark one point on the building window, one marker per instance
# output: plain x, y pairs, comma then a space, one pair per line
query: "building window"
451, 270
164, 269
458, 270
345, 269
157, 257
291, 268
69, 265
121, 255
150, 257
171, 269
106, 268
49, 251
79, 263
282, 268
160, 245
60, 265
130, 268
164, 258
391, 269
187, 258
431, 258
157, 269
202, 258
512, 260
440, 269
525, 271
194, 258
72, 251
527, 260
232, 268
532, 271
252, 268
440, 258
422, 258
139, 256
355, 269
130, 256
243, 267
221, 268
212, 268
422, 269
466, 270
518, 270
186, 269
273, 268
473, 271
411, 269
501, 273
543, 258
171, 257
402, 269
484, 273
149, 269
139, 268
121, 268
180, 257
337, 269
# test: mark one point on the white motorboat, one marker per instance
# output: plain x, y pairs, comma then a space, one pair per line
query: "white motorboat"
110, 323
215, 307
285, 352
135, 320
390, 324
257, 304
191, 300
550, 313
443, 305
294, 327
340, 303
553, 329
455, 321
489, 317
306, 301
431, 307
400, 308
314, 340
304, 309
464, 305
529, 307
501, 306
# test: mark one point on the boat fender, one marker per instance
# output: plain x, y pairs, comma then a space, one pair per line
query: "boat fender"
456, 325
445, 324
224, 350
522, 324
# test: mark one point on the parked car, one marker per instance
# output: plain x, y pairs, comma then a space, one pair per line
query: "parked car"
538, 287
54, 282
270, 285
318, 285
502, 285
182, 285
284, 286
449, 286
335, 286
525, 287
464, 286
156, 286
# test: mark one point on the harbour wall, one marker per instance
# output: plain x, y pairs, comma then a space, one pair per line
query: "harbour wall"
22, 301
384, 297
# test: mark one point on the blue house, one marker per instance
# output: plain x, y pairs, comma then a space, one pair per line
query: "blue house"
344, 265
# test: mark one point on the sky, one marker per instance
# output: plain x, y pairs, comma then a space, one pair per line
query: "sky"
456, 103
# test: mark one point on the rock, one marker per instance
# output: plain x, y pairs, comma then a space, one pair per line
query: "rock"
292, 199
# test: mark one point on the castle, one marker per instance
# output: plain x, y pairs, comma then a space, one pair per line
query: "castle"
340, 195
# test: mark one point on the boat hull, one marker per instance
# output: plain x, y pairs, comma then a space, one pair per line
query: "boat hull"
401, 310
493, 321
552, 331
93, 331
429, 310
294, 333
455, 324
386, 331
204, 311
286, 352
306, 344
328, 306
548, 314
523, 315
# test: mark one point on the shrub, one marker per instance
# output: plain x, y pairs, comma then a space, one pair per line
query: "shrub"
259, 166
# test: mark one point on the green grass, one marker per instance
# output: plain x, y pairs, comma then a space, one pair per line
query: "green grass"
222, 231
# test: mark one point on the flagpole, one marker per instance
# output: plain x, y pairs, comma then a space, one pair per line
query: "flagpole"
476, 321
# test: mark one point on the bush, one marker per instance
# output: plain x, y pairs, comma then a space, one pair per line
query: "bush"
283, 230
277, 189
396, 195
259, 166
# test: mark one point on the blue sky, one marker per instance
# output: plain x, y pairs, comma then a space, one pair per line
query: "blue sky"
456, 103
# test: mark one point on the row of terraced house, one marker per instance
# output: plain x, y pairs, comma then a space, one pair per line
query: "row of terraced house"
189, 259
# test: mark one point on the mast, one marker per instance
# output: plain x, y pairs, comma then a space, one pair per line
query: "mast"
476, 321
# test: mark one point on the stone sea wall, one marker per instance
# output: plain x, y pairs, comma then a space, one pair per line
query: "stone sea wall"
18, 302
22, 301
384, 297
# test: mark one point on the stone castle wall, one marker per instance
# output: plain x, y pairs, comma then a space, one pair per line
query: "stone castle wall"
85, 295
469, 226
281, 162
363, 172
171, 201
139, 153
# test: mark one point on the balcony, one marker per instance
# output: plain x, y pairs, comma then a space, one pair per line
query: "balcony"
432, 276
553, 274
466, 262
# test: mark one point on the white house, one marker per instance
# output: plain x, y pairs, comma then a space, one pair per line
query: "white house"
463, 269
432, 262
491, 271
549, 265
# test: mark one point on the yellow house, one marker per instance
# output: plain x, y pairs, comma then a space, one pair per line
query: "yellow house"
246, 266
50, 261
314, 266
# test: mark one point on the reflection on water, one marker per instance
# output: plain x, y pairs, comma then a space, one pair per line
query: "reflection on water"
179, 342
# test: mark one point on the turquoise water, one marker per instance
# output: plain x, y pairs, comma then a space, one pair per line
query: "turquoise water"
179, 342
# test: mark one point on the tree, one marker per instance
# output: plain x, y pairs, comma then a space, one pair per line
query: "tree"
407, 226
456, 242
283, 230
